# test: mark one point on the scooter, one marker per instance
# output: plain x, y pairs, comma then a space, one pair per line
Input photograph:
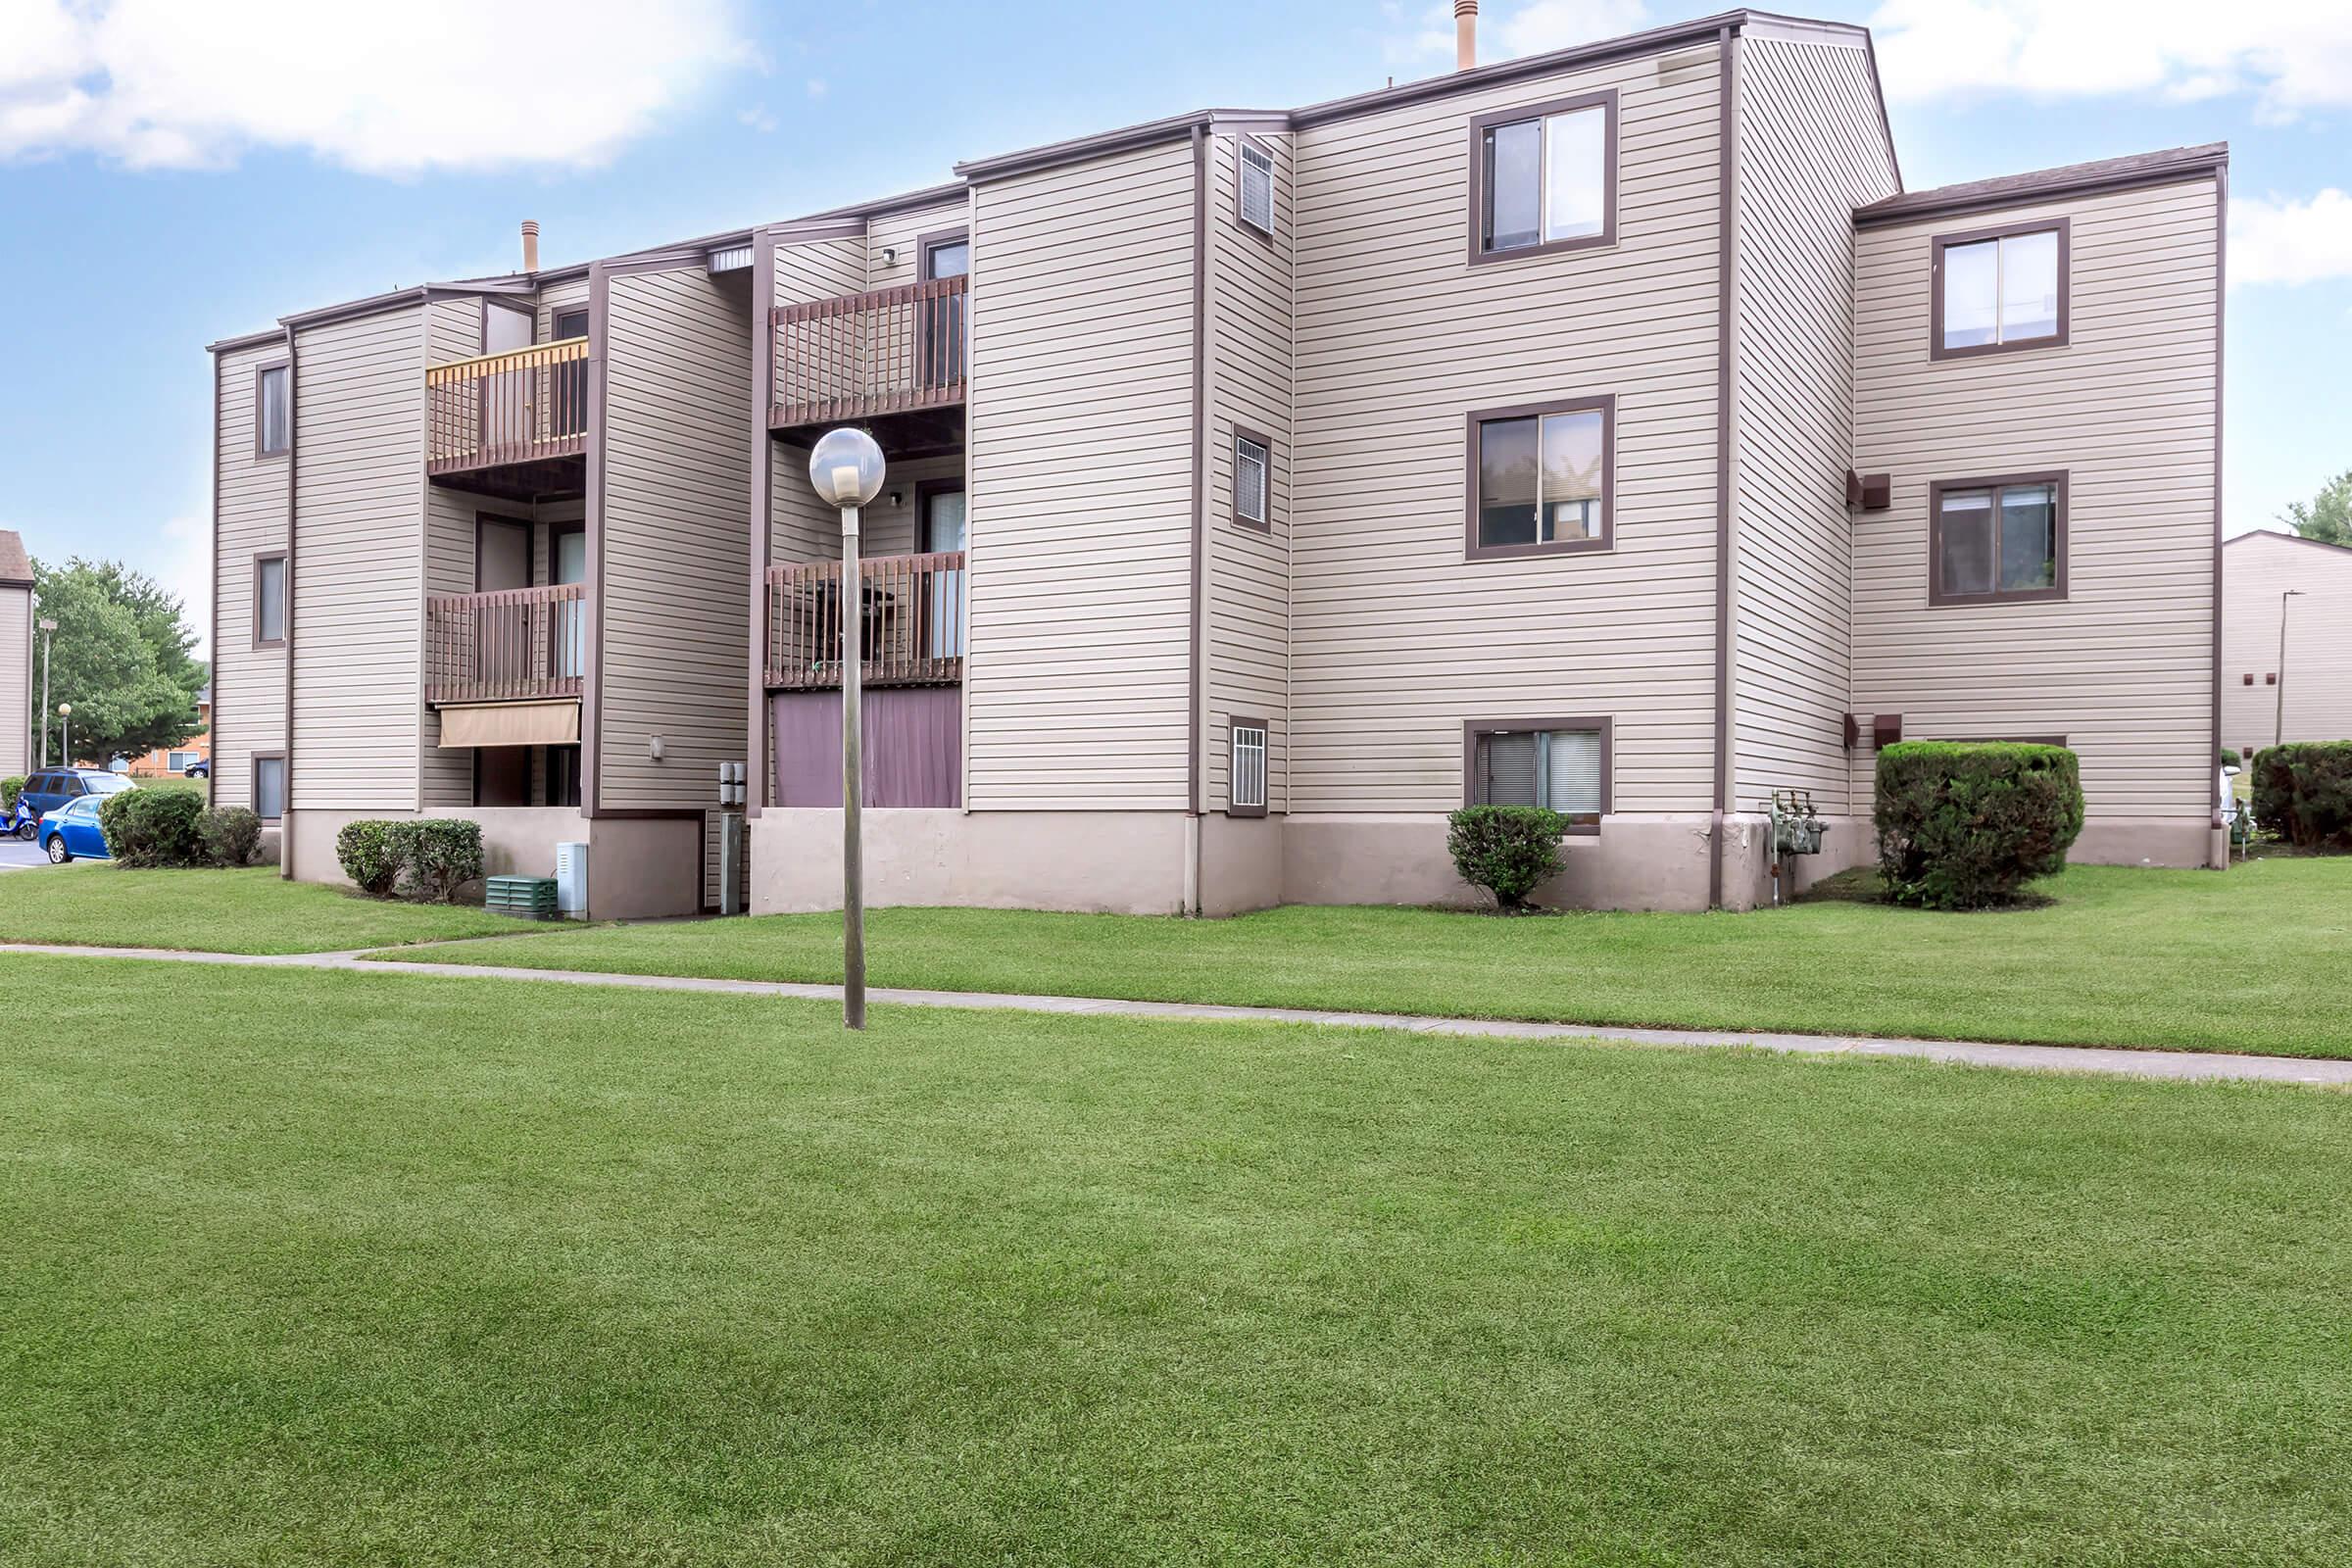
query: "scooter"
21, 821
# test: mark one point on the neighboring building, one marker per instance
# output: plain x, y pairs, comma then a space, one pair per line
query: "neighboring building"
173, 761
1605, 427
2306, 695
19, 750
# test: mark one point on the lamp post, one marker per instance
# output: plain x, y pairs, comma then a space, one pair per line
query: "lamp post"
64, 749
48, 628
846, 468
2278, 719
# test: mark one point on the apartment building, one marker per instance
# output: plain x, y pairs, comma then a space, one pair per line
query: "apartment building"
2286, 640
1607, 429
17, 747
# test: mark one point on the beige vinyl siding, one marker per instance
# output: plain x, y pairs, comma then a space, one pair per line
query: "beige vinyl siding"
801, 527
898, 232
249, 684
572, 294
359, 565
453, 331
1077, 684
18, 690
1249, 349
2256, 569
2123, 665
675, 535
1395, 638
1809, 151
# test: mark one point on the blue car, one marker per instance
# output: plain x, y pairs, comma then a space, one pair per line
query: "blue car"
52, 787
72, 831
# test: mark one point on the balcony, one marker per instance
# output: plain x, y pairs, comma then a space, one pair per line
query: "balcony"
515, 644
893, 359
912, 632
512, 425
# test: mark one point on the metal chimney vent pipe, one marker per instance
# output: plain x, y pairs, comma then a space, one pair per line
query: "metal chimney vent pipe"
1465, 34
530, 244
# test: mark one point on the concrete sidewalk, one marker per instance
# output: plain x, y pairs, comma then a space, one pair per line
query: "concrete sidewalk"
2175, 1064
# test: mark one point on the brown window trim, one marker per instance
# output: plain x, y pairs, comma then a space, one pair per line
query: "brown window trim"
2063, 227
556, 532
1242, 433
554, 322
260, 452
253, 783
1234, 721
926, 243
285, 595
1937, 489
1265, 236
1472, 728
1606, 99
1472, 550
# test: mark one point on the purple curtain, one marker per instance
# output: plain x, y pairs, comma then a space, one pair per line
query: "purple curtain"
913, 747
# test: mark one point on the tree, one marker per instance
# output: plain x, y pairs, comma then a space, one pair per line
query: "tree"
122, 657
2328, 518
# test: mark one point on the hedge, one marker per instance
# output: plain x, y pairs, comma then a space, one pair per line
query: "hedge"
369, 855
10, 789
438, 854
2303, 792
153, 827
1507, 850
232, 834
1964, 825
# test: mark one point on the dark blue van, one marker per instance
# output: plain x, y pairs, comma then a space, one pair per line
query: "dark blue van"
49, 788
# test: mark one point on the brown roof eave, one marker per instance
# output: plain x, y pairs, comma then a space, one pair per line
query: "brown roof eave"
2175, 165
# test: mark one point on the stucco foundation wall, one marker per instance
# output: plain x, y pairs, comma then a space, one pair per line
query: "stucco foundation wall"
2181, 841
638, 868
1648, 861
1241, 863
1115, 863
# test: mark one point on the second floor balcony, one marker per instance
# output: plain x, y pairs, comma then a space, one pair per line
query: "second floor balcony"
894, 358
512, 424
511, 645
910, 632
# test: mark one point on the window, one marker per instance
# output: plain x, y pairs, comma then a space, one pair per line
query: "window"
269, 785
1999, 289
1245, 791
1996, 540
268, 601
1253, 194
945, 313
272, 412
1558, 762
563, 775
1543, 178
180, 762
1253, 481
1539, 480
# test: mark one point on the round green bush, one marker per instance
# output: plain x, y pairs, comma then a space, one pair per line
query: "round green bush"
232, 834
1965, 824
368, 851
2303, 792
153, 827
1507, 850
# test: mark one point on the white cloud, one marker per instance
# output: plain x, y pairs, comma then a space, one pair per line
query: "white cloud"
383, 89
817, 87
760, 119
2294, 57
1506, 32
2274, 241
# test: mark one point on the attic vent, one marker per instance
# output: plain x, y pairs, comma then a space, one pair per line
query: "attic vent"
731, 259
1257, 188
1692, 65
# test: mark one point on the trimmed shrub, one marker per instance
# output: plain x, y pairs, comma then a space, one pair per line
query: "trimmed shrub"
2229, 758
10, 789
370, 854
153, 827
1507, 850
2303, 792
442, 855
233, 835
1964, 825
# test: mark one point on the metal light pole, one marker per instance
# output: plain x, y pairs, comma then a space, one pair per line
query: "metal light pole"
48, 628
65, 712
2278, 721
846, 468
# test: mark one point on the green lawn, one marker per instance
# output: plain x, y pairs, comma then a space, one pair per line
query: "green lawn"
2252, 960
253, 910
333, 1268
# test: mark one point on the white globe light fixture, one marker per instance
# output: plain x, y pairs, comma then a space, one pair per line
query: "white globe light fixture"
846, 470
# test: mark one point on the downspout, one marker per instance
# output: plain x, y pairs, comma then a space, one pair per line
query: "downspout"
2221, 300
763, 371
592, 686
1193, 626
212, 732
1727, 40
285, 823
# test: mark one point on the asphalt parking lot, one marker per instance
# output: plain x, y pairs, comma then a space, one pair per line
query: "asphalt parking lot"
16, 855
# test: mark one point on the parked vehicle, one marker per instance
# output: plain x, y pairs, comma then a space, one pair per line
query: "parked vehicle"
23, 822
51, 788
72, 832
200, 769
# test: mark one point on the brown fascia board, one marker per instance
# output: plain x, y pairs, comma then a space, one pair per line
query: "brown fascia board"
2290, 538
251, 340
2169, 167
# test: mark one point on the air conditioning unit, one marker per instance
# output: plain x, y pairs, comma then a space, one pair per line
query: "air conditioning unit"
572, 881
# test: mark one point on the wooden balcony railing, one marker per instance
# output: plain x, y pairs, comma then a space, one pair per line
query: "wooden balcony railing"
512, 645
515, 407
911, 633
893, 351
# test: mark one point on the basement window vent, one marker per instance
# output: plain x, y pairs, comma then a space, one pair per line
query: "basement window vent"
1248, 792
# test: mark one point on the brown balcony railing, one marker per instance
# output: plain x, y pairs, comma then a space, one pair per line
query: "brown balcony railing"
511, 645
515, 407
911, 633
893, 351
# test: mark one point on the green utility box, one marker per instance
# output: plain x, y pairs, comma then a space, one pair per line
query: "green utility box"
533, 897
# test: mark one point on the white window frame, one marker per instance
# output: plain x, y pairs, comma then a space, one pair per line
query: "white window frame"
1246, 783
1251, 155
1261, 521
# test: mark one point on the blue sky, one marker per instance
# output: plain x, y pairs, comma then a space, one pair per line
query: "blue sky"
174, 174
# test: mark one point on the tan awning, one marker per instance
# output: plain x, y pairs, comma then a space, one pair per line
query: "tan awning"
512, 724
